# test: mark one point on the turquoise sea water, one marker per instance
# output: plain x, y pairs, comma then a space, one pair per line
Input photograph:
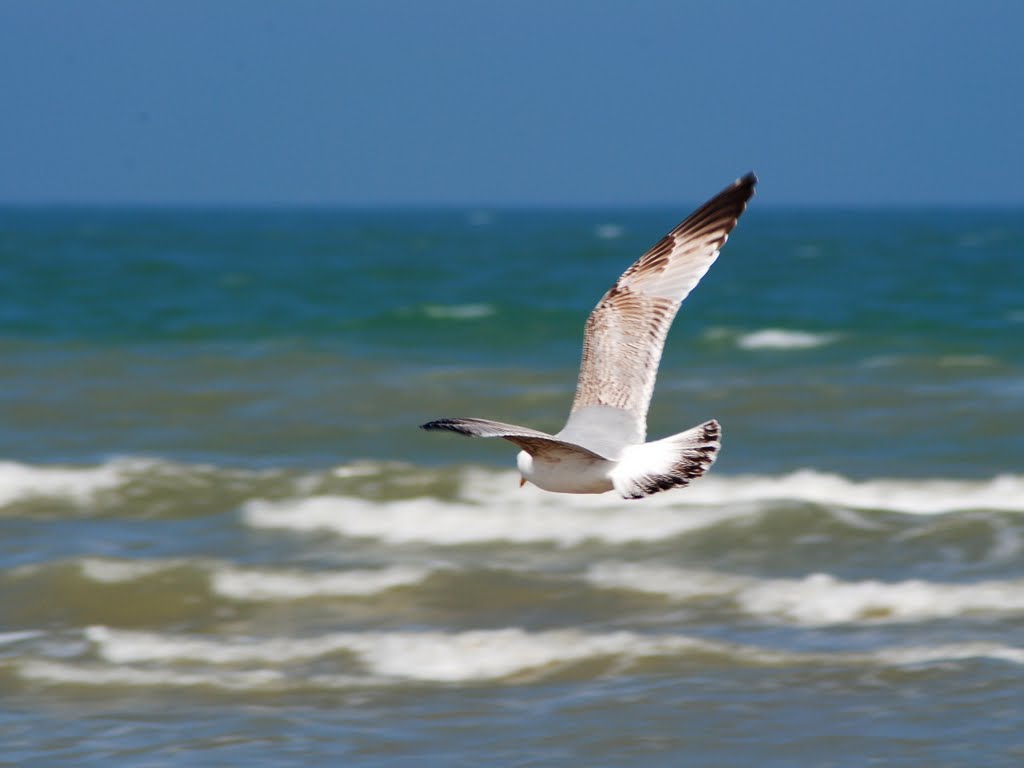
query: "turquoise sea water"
223, 539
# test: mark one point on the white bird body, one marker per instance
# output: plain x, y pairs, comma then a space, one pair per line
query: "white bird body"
602, 448
574, 474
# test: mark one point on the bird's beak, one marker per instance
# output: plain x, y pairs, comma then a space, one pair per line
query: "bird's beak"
522, 481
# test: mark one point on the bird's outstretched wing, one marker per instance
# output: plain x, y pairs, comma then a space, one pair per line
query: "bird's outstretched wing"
626, 331
532, 441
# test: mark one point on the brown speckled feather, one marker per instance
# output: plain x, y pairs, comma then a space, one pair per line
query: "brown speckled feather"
626, 332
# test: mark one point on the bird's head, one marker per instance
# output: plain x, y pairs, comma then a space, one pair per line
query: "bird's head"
525, 463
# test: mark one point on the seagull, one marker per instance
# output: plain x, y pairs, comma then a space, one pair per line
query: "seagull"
602, 448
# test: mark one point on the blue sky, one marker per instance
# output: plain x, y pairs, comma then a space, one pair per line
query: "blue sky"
510, 103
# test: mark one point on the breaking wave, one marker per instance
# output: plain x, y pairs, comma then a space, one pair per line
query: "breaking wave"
356, 659
820, 599
398, 502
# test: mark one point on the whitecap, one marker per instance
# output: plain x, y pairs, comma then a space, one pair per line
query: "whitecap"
820, 599
126, 476
429, 656
912, 496
444, 657
131, 647
777, 338
254, 584
104, 676
500, 653
529, 518
80, 485
933, 654
110, 571
257, 584
717, 497
491, 508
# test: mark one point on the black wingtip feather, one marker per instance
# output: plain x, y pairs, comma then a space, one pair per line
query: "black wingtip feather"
721, 212
437, 424
448, 425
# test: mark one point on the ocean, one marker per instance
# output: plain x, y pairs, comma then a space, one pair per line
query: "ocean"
224, 541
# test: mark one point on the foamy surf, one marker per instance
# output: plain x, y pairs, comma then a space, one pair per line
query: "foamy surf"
150, 487
142, 486
110, 571
491, 508
106, 676
427, 520
510, 655
923, 497
19, 482
259, 584
820, 599
429, 656
267, 585
771, 338
778, 338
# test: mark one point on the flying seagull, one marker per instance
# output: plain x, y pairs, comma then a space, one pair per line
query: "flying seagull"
602, 448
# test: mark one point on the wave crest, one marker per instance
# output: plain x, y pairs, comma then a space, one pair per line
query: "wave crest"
820, 599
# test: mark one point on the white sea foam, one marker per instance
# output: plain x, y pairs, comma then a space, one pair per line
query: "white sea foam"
936, 654
527, 519
254, 584
492, 508
426, 656
103, 676
442, 657
494, 654
19, 481
259, 584
83, 486
110, 571
777, 338
131, 647
499, 491
473, 657
820, 599
925, 496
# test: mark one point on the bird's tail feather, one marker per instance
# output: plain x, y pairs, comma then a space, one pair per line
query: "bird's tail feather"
668, 463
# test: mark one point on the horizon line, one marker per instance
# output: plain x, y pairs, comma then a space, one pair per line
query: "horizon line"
269, 206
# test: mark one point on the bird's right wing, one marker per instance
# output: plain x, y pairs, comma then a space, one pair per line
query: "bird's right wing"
532, 441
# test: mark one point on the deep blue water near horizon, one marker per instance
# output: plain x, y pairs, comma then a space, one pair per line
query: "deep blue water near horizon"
223, 539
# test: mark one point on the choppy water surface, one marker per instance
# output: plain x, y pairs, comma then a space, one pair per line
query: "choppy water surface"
223, 539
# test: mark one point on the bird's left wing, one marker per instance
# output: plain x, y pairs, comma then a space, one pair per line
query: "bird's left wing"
626, 332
